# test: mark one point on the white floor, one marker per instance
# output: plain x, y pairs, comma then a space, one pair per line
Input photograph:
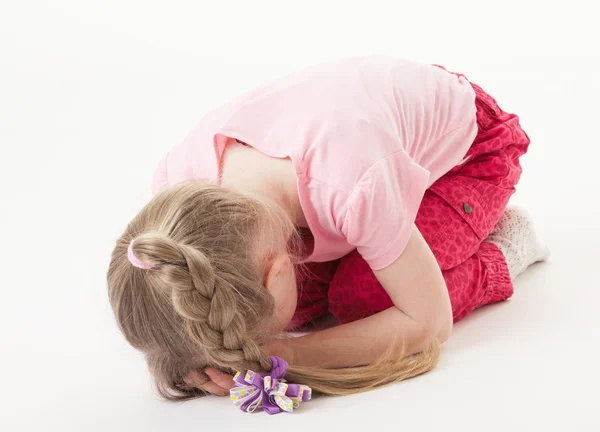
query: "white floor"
93, 93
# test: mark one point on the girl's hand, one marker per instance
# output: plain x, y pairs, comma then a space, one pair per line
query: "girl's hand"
218, 383
211, 381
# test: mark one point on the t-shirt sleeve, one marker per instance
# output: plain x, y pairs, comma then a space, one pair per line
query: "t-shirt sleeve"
382, 208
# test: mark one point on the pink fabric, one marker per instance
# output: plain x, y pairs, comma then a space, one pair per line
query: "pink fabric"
134, 260
367, 137
456, 215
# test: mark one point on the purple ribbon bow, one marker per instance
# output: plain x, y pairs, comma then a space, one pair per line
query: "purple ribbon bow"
253, 389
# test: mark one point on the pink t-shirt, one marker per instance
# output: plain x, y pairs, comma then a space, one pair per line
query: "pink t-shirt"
367, 136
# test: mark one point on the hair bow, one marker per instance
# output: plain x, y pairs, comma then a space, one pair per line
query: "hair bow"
268, 391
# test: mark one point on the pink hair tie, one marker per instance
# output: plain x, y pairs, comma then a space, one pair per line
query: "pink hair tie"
134, 260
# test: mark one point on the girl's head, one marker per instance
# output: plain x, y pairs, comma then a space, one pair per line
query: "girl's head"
213, 283
221, 282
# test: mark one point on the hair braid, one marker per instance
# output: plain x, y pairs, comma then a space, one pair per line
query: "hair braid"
206, 300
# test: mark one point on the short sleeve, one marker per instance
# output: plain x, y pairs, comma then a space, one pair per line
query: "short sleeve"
382, 208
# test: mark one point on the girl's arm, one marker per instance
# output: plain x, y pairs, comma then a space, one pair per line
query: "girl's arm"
415, 284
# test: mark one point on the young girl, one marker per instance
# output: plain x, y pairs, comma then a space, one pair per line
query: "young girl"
389, 179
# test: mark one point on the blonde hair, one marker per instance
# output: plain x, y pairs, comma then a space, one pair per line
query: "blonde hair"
204, 303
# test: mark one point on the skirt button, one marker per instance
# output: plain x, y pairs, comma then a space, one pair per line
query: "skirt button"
467, 208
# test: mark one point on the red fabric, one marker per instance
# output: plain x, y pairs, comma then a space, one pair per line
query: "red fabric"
457, 213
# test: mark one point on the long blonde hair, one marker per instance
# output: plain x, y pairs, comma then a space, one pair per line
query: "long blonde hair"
203, 303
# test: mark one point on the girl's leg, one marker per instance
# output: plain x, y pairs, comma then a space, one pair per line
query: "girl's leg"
483, 278
478, 190
457, 214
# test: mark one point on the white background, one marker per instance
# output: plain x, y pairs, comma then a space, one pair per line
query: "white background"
93, 93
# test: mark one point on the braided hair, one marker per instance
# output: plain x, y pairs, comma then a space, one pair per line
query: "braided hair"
202, 301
